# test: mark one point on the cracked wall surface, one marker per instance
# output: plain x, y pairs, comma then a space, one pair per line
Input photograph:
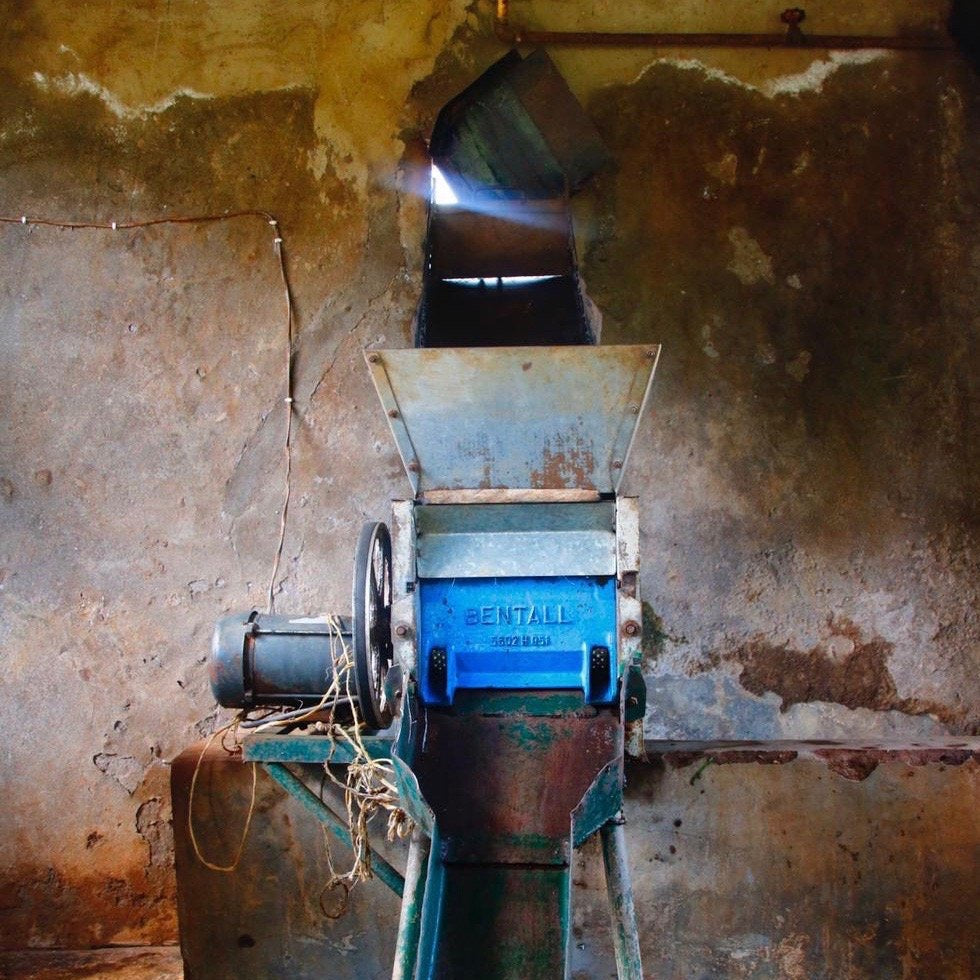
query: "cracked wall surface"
797, 228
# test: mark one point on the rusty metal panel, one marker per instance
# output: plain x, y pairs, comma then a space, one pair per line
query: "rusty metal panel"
504, 922
269, 918
552, 418
504, 772
516, 238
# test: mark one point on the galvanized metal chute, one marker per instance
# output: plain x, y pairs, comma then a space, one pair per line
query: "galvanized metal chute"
500, 267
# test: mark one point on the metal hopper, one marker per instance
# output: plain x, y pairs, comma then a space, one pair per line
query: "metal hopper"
516, 423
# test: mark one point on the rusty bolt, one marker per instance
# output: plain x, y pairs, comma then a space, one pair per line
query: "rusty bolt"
617, 464
374, 358
634, 409
651, 353
401, 630
393, 413
413, 467
631, 627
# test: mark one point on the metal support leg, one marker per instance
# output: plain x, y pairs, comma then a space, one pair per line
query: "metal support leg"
432, 907
407, 946
626, 940
301, 792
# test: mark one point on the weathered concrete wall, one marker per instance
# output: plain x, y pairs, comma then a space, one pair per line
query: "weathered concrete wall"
798, 229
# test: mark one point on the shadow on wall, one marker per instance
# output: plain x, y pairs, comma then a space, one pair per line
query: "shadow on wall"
964, 25
797, 277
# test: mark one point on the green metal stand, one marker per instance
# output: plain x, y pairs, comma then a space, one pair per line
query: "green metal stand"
406, 947
451, 909
300, 791
619, 887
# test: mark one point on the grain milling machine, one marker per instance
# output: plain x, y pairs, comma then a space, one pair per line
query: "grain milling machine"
496, 629
507, 596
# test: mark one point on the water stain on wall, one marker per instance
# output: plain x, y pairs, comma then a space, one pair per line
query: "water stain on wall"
804, 255
849, 670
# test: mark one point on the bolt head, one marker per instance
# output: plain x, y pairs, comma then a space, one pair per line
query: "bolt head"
401, 630
374, 358
631, 628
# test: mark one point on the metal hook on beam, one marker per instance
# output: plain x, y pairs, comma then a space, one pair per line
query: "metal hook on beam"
792, 17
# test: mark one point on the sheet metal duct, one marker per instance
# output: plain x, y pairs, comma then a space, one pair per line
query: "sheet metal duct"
516, 131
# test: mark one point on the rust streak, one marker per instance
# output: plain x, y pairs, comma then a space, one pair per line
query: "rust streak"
571, 467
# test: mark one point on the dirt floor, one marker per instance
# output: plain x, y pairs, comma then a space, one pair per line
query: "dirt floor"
129, 963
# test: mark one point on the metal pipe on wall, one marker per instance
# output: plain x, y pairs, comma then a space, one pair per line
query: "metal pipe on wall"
793, 37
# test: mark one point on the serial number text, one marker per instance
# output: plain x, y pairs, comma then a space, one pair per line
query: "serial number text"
521, 641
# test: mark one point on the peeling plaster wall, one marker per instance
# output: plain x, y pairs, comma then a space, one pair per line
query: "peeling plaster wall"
798, 229
808, 253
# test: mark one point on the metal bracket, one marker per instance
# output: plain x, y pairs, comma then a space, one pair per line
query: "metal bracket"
399, 430
311, 802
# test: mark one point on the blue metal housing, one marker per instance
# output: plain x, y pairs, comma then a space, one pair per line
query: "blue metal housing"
518, 634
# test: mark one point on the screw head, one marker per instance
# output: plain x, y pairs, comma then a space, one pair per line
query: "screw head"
631, 627
374, 358
617, 464
413, 467
401, 630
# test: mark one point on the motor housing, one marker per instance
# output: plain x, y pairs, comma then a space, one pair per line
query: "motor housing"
259, 659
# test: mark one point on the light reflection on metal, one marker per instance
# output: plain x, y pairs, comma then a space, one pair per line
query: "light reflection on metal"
501, 280
442, 194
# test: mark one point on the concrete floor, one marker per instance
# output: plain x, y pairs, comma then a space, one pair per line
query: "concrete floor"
129, 963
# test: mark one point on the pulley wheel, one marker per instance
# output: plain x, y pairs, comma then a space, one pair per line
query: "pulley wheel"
372, 624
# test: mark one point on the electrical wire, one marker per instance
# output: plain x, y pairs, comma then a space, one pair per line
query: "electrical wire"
226, 868
278, 244
369, 783
296, 715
